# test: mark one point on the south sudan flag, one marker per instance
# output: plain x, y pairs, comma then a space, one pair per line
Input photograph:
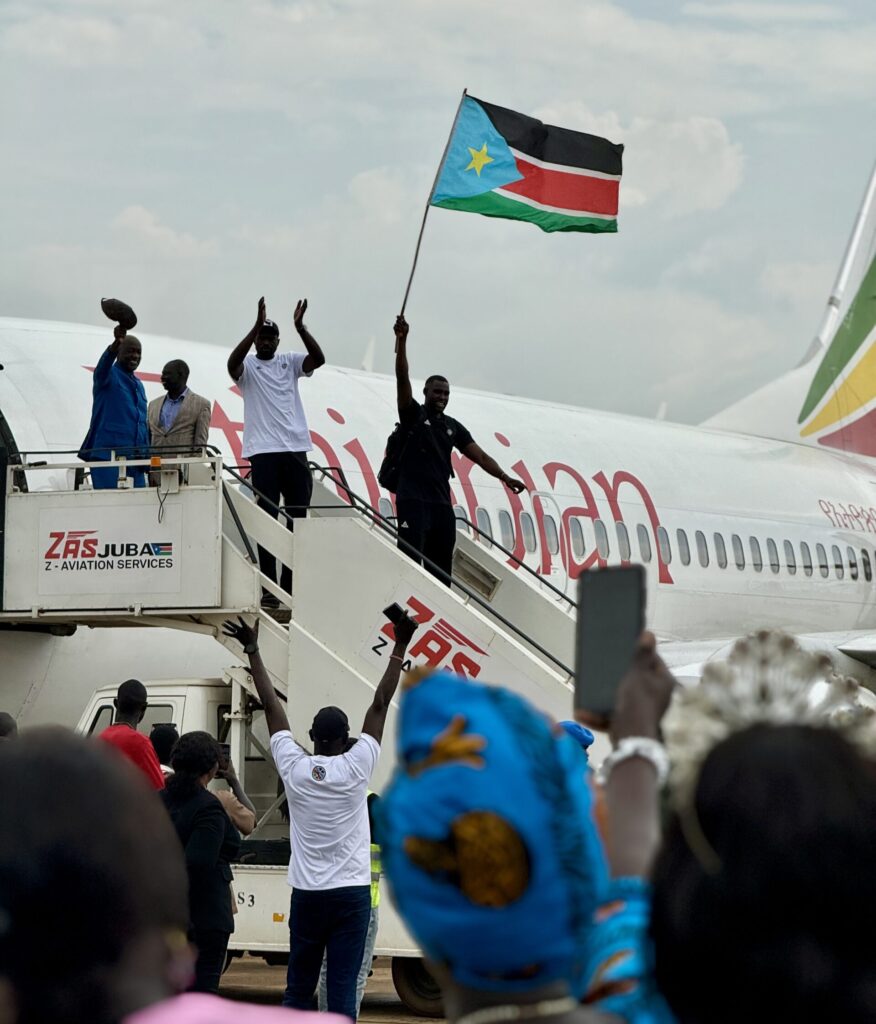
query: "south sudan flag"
504, 164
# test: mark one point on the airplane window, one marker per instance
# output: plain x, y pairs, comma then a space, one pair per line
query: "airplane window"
773, 554
550, 529
384, 507
663, 545
853, 563
837, 562
806, 556
790, 560
683, 547
738, 551
506, 529
459, 513
576, 533
702, 548
601, 538
528, 531
865, 562
644, 543
821, 555
720, 551
756, 557
482, 518
623, 540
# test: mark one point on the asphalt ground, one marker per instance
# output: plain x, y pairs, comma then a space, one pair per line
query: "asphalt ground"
249, 979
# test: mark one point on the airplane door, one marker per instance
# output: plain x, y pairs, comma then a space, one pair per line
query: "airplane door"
553, 520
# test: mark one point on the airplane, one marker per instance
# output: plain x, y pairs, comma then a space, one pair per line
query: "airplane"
763, 517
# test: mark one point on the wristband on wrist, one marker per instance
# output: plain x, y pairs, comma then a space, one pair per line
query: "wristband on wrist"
399, 657
638, 746
252, 648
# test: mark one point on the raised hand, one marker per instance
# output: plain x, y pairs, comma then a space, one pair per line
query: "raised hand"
404, 630
644, 693
261, 315
298, 315
401, 329
247, 636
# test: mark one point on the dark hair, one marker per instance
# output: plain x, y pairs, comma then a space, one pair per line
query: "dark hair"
435, 376
178, 364
782, 929
131, 697
194, 755
163, 737
89, 865
8, 725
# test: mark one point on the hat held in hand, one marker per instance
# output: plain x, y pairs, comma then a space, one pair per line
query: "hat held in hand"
119, 311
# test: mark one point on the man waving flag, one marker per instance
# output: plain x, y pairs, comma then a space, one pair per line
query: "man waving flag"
503, 164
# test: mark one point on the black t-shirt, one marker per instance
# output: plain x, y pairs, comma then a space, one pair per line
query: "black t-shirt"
425, 467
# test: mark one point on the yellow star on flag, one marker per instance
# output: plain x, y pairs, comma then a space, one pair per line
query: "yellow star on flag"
479, 159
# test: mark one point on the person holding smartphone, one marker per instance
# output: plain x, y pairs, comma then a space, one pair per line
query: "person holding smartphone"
330, 866
237, 804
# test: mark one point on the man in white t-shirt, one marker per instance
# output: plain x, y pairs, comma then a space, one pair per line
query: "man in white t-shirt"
276, 438
330, 866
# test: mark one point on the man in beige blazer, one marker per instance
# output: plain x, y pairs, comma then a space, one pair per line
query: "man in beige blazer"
180, 420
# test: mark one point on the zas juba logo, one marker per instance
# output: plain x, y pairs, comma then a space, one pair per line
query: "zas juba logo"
77, 550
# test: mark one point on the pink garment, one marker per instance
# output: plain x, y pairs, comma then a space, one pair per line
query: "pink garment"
195, 1008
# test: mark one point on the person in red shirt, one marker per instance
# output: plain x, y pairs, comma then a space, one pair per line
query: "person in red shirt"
130, 703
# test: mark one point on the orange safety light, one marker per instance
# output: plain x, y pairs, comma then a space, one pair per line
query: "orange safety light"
155, 461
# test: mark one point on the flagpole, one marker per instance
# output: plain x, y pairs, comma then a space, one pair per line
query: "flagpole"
429, 201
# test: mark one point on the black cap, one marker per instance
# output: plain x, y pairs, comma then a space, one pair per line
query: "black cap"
269, 327
330, 724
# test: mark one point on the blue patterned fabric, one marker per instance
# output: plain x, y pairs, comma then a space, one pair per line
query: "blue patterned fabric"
488, 838
620, 971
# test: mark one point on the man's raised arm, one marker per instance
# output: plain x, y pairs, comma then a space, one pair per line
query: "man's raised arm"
235, 360
314, 358
489, 465
375, 716
248, 638
402, 375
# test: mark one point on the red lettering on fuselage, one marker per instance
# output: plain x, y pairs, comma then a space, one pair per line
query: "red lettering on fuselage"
588, 511
611, 491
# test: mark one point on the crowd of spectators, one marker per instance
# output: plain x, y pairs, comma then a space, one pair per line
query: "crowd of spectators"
720, 872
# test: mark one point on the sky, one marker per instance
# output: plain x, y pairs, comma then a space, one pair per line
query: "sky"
190, 157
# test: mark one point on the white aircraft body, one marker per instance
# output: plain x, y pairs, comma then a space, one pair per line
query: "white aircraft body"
736, 531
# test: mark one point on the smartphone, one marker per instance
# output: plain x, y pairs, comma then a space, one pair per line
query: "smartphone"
395, 613
224, 755
611, 616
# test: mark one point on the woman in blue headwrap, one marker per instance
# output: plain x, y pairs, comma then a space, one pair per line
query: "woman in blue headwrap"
491, 851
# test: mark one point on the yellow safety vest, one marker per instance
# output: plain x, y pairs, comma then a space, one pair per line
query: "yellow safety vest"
376, 869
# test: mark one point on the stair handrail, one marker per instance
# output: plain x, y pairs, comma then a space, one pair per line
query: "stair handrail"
360, 505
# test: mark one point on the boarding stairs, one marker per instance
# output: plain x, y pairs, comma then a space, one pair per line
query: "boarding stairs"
182, 554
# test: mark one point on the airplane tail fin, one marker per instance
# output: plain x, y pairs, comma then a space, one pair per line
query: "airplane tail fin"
830, 398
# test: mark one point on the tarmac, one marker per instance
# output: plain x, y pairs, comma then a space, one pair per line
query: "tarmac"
250, 979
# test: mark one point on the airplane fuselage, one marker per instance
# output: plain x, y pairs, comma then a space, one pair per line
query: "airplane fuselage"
735, 532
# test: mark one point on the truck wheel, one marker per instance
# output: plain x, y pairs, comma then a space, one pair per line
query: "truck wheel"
416, 987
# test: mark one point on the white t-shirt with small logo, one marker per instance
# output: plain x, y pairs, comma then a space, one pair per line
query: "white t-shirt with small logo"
328, 812
273, 416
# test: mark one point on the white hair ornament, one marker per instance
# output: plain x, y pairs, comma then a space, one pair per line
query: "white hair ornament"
767, 679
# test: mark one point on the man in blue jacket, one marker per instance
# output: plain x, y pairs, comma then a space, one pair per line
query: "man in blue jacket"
118, 412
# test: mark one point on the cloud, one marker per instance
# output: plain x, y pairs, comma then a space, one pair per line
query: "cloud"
800, 285
140, 226
679, 166
765, 12
66, 40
